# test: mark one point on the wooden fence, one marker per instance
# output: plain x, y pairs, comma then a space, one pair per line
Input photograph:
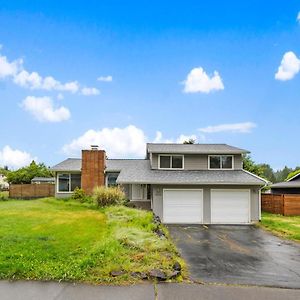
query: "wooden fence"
284, 204
31, 191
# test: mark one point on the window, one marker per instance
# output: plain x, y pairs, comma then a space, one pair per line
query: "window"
170, 161
221, 162
112, 179
68, 182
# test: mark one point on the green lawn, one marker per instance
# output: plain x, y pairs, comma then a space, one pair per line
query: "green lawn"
52, 239
287, 227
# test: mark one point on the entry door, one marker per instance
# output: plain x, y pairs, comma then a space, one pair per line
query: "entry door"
182, 206
230, 206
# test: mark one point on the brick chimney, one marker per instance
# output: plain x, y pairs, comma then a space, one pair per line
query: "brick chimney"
92, 169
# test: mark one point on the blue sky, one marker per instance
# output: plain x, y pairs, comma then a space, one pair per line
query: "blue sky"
165, 72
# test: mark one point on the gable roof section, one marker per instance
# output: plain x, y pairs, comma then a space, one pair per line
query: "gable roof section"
194, 148
295, 177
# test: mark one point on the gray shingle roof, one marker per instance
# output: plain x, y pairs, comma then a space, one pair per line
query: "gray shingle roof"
138, 171
141, 173
286, 184
112, 165
43, 179
194, 148
70, 164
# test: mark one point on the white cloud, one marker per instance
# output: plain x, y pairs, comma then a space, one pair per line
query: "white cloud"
89, 91
105, 78
245, 127
289, 67
117, 142
14, 158
43, 110
125, 142
298, 17
34, 81
60, 96
9, 68
198, 81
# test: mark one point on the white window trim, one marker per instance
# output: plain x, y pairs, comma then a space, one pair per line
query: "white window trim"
57, 182
159, 155
220, 155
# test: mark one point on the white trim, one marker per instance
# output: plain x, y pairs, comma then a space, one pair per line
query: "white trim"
57, 182
158, 163
259, 204
294, 177
181, 189
233, 190
220, 155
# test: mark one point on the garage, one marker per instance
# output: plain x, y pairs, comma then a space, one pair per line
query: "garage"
230, 206
182, 206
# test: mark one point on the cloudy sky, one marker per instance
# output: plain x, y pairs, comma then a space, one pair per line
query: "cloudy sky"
122, 74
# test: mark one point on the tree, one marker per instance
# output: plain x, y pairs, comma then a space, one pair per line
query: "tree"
268, 172
292, 174
281, 175
25, 174
189, 141
251, 166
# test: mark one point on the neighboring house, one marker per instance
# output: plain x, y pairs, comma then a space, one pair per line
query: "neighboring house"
3, 184
43, 180
181, 183
291, 186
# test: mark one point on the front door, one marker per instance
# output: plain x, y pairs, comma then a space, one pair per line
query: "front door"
137, 192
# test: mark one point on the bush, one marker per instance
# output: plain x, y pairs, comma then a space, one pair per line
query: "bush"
104, 196
3, 196
80, 195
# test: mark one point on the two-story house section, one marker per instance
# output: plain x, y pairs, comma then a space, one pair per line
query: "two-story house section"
181, 183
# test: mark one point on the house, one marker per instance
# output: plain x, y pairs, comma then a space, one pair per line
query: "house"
43, 180
291, 186
181, 183
3, 183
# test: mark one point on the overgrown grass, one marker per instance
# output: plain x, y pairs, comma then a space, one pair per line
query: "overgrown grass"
284, 226
3, 195
65, 240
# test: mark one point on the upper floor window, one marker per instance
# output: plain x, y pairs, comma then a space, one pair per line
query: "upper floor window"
220, 162
170, 161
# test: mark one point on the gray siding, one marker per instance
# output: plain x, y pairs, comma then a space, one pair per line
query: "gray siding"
198, 161
157, 200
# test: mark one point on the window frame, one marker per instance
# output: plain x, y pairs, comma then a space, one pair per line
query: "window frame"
171, 155
220, 156
70, 182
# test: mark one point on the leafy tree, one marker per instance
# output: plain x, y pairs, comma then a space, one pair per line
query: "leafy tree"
292, 174
268, 172
281, 175
251, 166
189, 141
25, 174
4, 170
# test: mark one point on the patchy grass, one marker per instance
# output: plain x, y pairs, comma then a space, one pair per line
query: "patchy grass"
50, 239
284, 226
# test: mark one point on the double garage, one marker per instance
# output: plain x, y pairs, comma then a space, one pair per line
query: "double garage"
222, 206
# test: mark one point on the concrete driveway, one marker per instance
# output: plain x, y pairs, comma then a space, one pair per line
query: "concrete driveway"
238, 255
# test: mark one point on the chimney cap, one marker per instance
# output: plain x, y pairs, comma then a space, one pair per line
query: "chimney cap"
94, 147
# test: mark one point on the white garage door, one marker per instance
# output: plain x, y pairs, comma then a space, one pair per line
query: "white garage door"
182, 206
230, 206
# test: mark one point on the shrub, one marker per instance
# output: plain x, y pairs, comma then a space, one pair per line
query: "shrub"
104, 196
3, 196
80, 195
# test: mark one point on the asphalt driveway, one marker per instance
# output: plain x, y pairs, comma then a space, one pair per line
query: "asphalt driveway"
238, 255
